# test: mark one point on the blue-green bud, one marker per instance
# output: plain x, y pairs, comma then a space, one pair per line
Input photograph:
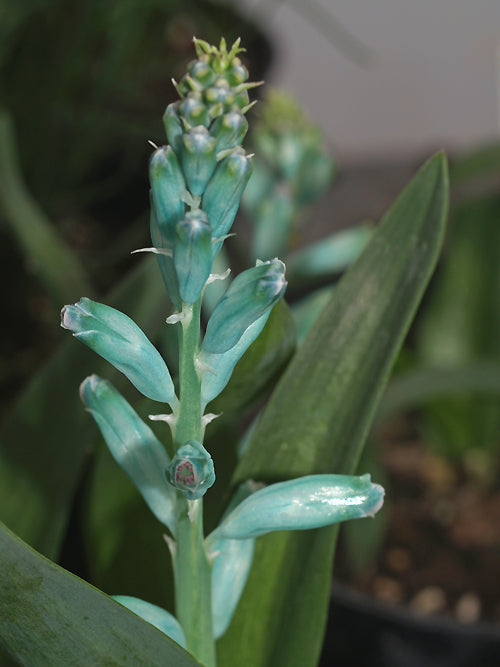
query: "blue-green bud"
237, 73
154, 615
193, 255
223, 193
167, 187
192, 470
133, 445
220, 93
222, 365
229, 130
229, 575
117, 338
300, 504
165, 261
200, 71
173, 127
193, 111
250, 295
198, 155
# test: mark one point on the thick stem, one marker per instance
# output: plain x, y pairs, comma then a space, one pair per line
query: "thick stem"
188, 425
192, 570
192, 575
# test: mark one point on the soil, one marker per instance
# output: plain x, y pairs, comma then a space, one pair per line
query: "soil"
441, 550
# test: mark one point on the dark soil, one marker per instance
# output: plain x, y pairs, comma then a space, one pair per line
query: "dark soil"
441, 550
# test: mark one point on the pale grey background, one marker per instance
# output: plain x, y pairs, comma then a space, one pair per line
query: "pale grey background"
434, 80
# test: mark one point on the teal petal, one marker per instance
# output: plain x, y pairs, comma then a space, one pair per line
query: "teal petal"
229, 575
222, 365
154, 615
300, 504
117, 338
223, 193
133, 445
165, 261
229, 130
193, 255
173, 127
198, 158
192, 470
251, 294
168, 189
193, 111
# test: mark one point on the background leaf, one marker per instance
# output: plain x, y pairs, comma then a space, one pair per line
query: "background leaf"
319, 415
38, 597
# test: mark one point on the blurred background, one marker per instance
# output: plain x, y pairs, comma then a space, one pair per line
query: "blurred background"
83, 86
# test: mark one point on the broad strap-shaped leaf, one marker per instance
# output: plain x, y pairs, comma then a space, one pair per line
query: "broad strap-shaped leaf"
319, 415
51, 617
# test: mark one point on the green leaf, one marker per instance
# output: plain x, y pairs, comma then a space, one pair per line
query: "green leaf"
44, 438
55, 264
319, 416
51, 617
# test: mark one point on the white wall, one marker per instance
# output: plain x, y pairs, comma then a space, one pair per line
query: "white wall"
434, 81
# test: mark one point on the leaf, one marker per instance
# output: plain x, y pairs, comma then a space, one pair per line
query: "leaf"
54, 262
38, 596
44, 438
319, 416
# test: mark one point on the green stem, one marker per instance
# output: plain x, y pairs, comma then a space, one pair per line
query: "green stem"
192, 576
192, 570
188, 425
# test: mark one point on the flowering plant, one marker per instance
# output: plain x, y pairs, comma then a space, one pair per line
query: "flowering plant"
296, 471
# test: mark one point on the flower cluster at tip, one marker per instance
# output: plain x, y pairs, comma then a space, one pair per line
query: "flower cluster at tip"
198, 178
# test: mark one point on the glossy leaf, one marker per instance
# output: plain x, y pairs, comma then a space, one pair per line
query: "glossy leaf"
319, 415
37, 596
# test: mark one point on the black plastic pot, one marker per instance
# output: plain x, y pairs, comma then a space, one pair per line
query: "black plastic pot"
362, 631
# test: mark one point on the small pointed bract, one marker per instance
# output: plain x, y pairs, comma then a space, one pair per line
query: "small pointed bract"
154, 615
133, 445
300, 504
117, 338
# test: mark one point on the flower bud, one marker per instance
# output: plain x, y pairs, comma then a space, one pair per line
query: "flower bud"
250, 295
193, 111
193, 255
167, 187
198, 158
223, 193
165, 261
191, 470
133, 445
229, 130
154, 615
300, 504
117, 338
173, 127
201, 72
